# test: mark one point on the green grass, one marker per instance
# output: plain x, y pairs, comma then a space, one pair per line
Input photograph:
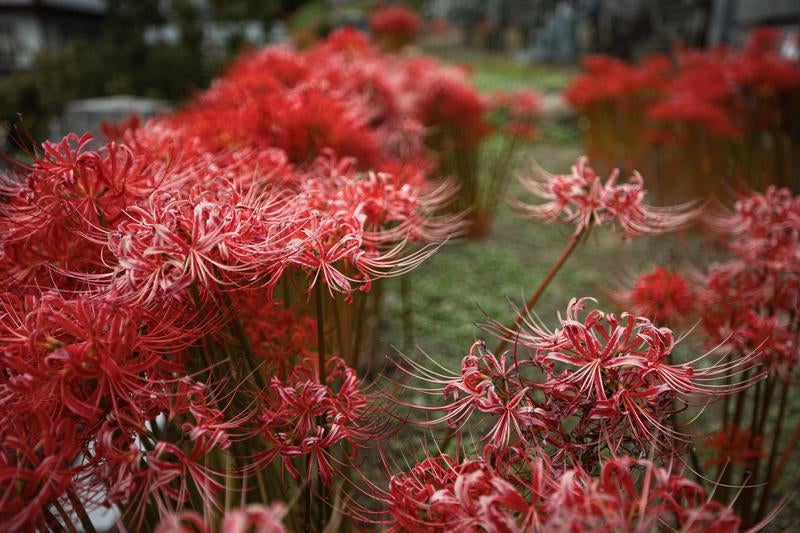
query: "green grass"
496, 72
310, 16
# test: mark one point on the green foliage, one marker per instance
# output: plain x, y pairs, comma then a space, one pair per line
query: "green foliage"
560, 132
311, 16
264, 11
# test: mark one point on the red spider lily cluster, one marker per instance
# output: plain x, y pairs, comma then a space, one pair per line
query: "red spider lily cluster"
394, 27
252, 518
409, 116
745, 306
664, 296
528, 493
598, 382
307, 418
555, 430
722, 116
561, 428
185, 308
149, 363
516, 112
747, 303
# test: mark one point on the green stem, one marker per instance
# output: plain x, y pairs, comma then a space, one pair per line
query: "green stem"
337, 322
65, 517
320, 333
766, 404
500, 173
570, 247
747, 478
375, 318
727, 474
786, 455
323, 378
307, 517
77, 506
773, 454
359, 320
407, 314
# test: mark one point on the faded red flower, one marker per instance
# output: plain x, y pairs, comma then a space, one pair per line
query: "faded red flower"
663, 296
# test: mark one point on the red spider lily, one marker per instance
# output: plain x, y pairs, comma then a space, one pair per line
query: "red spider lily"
37, 465
663, 296
68, 190
735, 445
211, 237
617, 501
765, 76
751, 302
607, 79
90, 356
728, 291
165, 460
764, 229
387, 205
693, 109
610, 375
770, 336
94, 185
306, 418
253, 518
439, 495
515, 112
167, 476
487, 385
449, 105
354, 227
279, 336
615, 370
699, 94
396, 26
583, 199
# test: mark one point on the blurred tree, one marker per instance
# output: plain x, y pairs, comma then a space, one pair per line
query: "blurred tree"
121, 60
263, 11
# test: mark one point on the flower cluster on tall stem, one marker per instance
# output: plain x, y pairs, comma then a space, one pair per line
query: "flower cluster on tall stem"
612, 375
585, 200
752, 302
718, 115
528, 493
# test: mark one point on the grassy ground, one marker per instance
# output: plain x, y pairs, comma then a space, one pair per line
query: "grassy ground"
493, 72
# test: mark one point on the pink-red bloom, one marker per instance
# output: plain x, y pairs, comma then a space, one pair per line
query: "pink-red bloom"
663, 296
584, 199
395, 26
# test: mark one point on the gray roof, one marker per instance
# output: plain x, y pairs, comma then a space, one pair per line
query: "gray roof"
120, 103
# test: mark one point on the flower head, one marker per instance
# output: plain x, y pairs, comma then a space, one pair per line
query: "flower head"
394, 26
304, 418
584, 199
663, 296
